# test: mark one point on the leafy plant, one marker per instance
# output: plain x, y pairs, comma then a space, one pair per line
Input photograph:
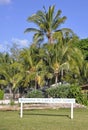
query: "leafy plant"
12, 102
75, 92
61, 91
35, 94
68, 91
1, 94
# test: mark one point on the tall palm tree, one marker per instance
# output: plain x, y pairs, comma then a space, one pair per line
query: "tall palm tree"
59, 55
47, 22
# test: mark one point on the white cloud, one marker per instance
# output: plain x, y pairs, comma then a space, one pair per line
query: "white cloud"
5, 1
6, 45
20, 42
2, 48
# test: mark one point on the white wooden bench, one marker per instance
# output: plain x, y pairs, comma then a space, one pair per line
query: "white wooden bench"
46, 100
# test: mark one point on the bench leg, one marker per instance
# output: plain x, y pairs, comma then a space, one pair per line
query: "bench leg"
71, 110
21, 110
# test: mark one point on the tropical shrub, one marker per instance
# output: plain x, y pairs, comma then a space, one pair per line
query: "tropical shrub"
35, 94
61, 91
85, 99
12, 102
75, 92
68, 91
1, 94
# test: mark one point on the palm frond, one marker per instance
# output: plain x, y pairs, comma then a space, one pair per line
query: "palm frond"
32, 30
4, 82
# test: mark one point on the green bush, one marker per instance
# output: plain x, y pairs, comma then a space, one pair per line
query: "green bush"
35, 94
85, 100
12, 102
1, 94
51, 92
68, 91
75, 92
61, 91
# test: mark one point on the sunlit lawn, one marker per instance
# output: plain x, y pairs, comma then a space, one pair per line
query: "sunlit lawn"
44, 120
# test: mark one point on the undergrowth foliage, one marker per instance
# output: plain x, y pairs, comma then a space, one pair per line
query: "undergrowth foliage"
68, 91
1, 94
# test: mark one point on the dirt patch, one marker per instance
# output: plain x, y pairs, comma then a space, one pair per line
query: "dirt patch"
39, 106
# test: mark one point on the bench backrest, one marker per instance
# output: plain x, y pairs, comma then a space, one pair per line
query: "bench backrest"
46, 100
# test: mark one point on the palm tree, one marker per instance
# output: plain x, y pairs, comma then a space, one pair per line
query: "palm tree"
77, 66
33, 66
60, 61
82, 75
11, 72
61, 55
47, 22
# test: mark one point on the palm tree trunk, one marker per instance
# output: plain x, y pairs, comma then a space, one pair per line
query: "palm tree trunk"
62, 74
14, 93
35, 85
10, 90
50, 38
56, 78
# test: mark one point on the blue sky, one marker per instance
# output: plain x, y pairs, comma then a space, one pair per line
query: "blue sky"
14, 14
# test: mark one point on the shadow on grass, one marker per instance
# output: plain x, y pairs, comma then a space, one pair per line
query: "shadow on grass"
43, 114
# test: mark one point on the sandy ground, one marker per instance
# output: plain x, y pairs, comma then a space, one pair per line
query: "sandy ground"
39, 106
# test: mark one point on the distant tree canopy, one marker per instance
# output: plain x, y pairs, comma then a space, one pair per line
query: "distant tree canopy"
83, 45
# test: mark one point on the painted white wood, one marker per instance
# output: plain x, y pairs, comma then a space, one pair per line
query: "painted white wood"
21, 111
46, 100
71, 110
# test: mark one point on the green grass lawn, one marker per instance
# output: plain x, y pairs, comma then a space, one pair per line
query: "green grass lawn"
44, 120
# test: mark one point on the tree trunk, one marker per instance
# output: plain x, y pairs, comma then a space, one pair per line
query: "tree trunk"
11, 92
61, 74
35, 85
50, 38
56, 78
